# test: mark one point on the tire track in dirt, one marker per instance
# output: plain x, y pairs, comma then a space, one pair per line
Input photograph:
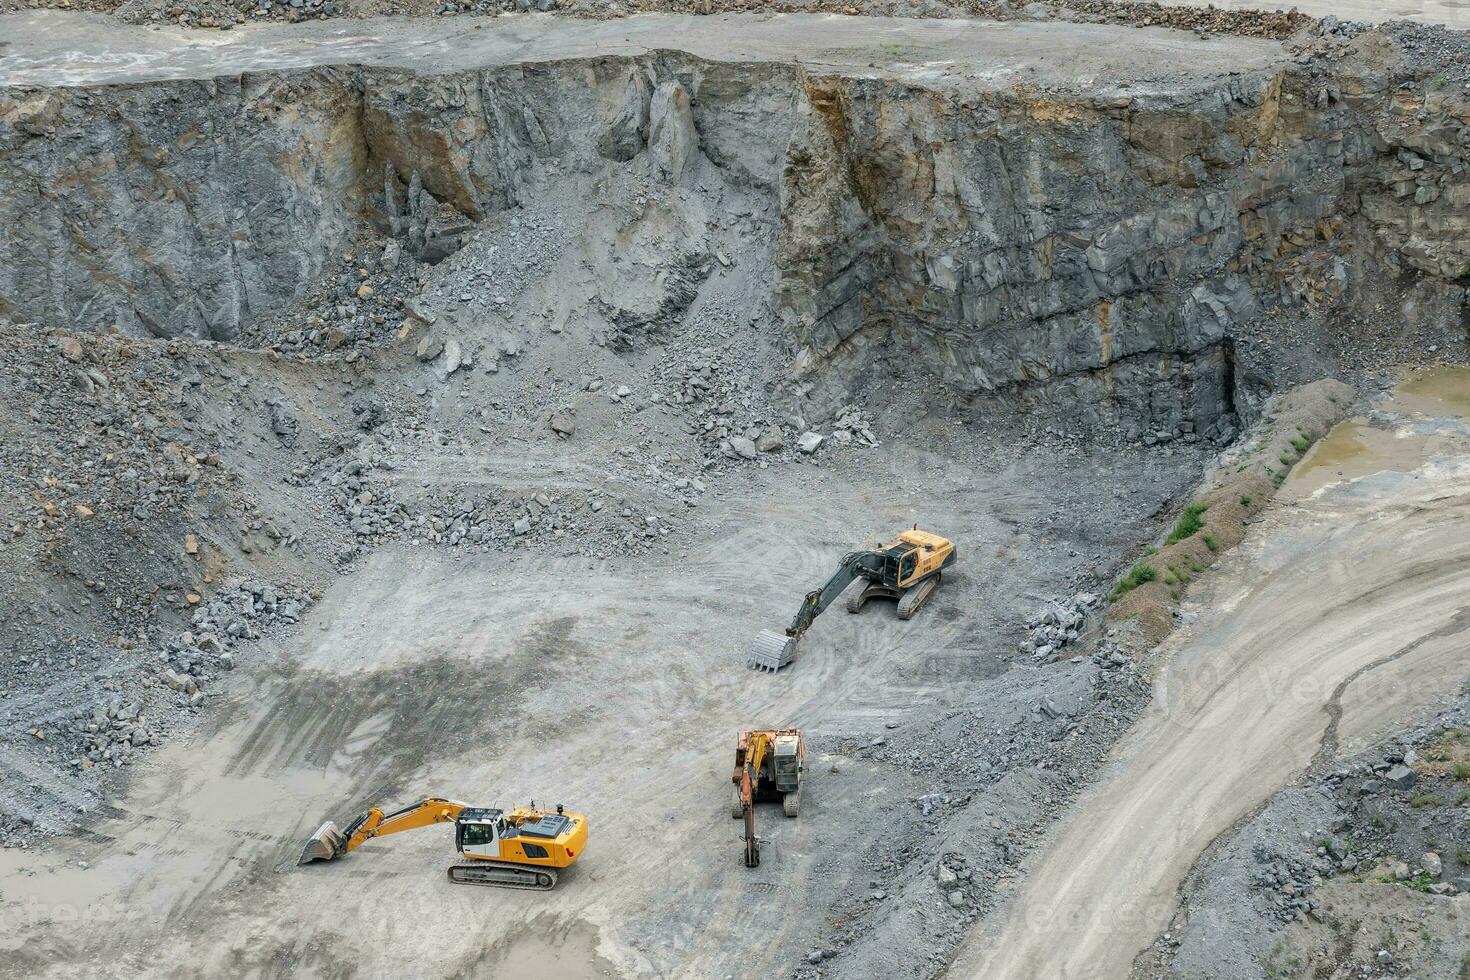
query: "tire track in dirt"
1251, 697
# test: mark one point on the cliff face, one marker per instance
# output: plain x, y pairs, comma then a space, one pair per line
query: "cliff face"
1089, 251
174, 208
1096, 253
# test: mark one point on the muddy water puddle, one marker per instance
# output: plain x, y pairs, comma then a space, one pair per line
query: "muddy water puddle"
1435, 392
1360, 446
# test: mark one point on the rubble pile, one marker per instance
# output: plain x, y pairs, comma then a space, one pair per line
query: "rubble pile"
1058, 626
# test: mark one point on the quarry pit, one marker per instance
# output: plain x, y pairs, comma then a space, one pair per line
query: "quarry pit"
437, 405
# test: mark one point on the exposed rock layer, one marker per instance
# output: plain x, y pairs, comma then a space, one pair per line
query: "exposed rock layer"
1084, 250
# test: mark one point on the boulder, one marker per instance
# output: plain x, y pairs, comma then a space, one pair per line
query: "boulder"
429, 347
770, 440
1401, 777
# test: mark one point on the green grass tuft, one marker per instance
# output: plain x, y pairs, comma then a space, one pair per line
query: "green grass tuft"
1137, 575
1189, 522
1210, 542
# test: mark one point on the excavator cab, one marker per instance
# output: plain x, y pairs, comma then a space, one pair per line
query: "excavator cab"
478, 832
786, 763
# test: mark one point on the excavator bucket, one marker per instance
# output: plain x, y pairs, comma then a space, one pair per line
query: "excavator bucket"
770, 651
324, 845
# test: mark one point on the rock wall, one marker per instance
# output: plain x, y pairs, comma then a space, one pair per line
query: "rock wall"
1089, 253
174, 208
1095, 254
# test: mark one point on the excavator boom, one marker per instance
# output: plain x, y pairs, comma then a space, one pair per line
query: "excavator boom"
330, 843
816, 601
771, 650
755, 756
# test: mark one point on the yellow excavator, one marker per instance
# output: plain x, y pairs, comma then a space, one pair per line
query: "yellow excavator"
768, 765
521, 849
907, 569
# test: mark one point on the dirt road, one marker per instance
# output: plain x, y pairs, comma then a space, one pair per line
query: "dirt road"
54, 48
1317, 633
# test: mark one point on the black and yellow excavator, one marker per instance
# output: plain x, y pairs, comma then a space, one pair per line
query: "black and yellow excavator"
907, 569
520, 849
768, 765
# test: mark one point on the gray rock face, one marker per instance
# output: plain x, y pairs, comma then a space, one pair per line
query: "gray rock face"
627, 130
174, 209
1107, 280
672, 138
1086, 253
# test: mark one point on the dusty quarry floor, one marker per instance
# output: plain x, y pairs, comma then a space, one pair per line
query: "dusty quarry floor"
616, 690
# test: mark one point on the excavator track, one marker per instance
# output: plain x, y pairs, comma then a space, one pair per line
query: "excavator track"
916, 596
503, 874
857, 598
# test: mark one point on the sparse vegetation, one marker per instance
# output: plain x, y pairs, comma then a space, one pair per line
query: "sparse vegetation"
1422, 800
1137, 575
1285, 459
1419, 883
1301, 443
1245, 501
1210, 542
1189, 522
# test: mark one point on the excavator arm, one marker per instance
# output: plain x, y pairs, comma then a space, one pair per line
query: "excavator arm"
329, 843
771, 650
816, 601
755, 757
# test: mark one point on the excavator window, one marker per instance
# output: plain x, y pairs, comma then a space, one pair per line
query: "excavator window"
906, 567
477, 833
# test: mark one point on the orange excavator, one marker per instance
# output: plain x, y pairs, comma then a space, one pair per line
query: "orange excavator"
520, 849
768, 765
907, 569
